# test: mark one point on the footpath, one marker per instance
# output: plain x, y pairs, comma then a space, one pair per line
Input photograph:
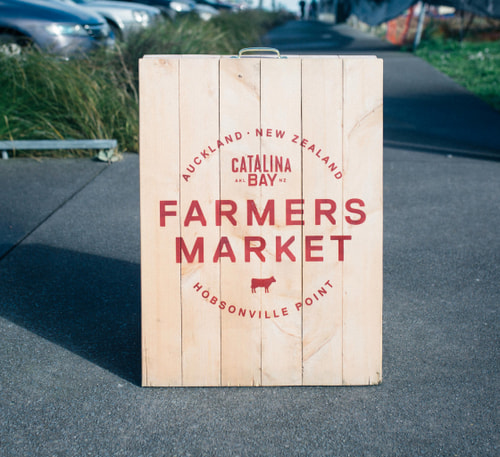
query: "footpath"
70, 300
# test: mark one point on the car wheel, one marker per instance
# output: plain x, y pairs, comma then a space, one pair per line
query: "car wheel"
10, 45
116, 31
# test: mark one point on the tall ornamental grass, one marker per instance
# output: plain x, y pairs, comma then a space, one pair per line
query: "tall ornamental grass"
45, 97
189, 35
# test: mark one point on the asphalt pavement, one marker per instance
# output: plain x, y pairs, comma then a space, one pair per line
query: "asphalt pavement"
70, 300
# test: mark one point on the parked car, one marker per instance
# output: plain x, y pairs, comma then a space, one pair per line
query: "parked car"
170, 8
122, 17
204, 11
176, 8
220, 6
57, 28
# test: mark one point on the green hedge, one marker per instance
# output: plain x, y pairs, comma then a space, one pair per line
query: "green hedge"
44, 97
474, 65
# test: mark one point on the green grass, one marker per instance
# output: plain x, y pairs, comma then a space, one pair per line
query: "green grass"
44, 97
224, 34
474, 65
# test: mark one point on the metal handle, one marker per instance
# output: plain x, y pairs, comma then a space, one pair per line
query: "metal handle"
260, 49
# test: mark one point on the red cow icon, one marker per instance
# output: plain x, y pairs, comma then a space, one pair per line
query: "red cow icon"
264, 282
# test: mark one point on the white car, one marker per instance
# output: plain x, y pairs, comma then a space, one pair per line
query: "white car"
122, 17
205, 12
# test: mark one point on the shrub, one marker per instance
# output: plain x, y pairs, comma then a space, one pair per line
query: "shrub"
45, 97
249, 26
189, 35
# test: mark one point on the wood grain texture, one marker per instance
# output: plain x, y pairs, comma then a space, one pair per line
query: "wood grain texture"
362, 303
252, 276
281, 336
199, 127
322, 86
241, 337
159, 176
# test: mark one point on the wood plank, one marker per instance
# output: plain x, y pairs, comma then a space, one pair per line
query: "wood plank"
159, 177
322, 180
362, 305
199, 130
201, 139
281, 111
239, 114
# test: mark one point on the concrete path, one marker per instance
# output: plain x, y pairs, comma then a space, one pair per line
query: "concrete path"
423, 109
70, 302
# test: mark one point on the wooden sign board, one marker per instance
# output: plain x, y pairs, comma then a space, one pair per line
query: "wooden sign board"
261, 220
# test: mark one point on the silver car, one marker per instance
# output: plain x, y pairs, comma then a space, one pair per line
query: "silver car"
205, 12
56, 28
122, 17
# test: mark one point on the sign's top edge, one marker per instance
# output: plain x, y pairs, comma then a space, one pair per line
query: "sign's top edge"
214, 56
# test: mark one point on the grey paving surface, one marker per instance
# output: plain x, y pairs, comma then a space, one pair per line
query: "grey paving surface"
70, 306
423, 109
31, 195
